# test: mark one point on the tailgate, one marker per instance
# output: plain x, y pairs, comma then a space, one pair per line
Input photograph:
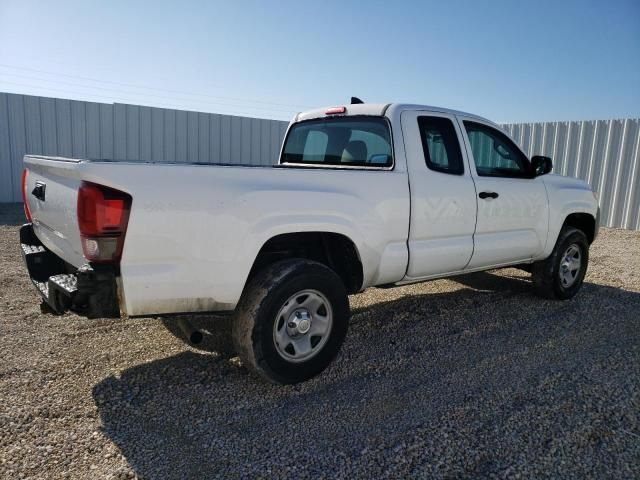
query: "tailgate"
51, 193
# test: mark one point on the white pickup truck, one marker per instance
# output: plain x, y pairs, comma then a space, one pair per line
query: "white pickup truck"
363, 195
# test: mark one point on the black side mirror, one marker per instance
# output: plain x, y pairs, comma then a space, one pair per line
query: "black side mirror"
541, 165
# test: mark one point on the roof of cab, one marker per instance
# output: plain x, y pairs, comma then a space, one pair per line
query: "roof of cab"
379, 109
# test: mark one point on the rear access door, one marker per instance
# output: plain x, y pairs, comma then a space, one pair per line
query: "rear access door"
443, 196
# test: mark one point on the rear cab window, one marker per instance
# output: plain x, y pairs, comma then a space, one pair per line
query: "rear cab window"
354, 141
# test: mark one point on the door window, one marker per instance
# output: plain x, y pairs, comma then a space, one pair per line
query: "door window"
440, 145
494, 154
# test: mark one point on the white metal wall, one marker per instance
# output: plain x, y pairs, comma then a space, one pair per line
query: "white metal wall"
69, 128
604, 152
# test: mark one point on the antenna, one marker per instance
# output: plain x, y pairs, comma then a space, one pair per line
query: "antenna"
355, 101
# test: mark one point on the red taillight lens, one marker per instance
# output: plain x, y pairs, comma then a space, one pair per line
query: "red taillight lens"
103, 215
27, 212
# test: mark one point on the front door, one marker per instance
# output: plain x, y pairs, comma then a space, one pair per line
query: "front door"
513, 212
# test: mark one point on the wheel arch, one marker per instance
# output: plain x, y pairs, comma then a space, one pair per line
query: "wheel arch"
585, 222
335, 250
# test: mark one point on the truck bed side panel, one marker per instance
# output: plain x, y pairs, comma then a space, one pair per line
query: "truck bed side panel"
195, 230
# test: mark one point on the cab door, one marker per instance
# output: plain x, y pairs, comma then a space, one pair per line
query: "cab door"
513, 211
443, 197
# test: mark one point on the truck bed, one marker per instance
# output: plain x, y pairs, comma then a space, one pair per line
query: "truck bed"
194, 230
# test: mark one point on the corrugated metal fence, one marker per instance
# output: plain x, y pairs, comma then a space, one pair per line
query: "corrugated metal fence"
604, 153
70, 128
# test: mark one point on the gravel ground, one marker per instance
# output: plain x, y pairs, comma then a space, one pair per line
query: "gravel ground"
473, 377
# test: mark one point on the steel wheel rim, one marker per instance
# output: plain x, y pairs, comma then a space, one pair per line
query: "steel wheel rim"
302, 326
570, 265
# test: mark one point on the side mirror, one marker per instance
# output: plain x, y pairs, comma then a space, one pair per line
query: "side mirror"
541, 165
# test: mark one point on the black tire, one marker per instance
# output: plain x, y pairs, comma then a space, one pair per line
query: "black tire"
546, 273
264, 297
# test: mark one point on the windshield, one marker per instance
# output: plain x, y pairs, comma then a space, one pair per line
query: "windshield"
342, 141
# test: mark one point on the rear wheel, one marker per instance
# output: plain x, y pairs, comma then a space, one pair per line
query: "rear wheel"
291, 321
560, 276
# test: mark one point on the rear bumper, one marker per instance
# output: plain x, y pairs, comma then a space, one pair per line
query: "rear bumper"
90, 290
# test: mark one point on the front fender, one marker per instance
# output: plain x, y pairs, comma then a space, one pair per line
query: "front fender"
566, 196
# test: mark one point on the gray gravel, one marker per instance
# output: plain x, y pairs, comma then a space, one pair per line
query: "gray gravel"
473, 377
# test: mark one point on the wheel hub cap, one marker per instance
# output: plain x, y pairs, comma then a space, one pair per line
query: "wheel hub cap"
302, 326
570, 265
299, 322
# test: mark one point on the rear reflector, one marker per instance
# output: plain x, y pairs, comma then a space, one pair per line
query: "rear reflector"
27, 212
334, 110
103, 215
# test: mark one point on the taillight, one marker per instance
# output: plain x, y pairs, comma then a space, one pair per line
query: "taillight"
27, 212
103, 215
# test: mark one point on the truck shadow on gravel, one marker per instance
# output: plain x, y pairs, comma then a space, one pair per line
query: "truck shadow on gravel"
459, 383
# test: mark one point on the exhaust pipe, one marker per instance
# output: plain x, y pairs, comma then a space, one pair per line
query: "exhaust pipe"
193, 335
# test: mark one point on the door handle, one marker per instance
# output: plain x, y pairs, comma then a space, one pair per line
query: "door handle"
39, 191
485, 195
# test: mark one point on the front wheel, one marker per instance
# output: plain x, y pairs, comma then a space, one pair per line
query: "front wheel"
291, 321
560, 276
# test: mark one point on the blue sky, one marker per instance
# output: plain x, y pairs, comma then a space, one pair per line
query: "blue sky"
511, 61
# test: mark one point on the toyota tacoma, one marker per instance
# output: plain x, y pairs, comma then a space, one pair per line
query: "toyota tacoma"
363, 195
